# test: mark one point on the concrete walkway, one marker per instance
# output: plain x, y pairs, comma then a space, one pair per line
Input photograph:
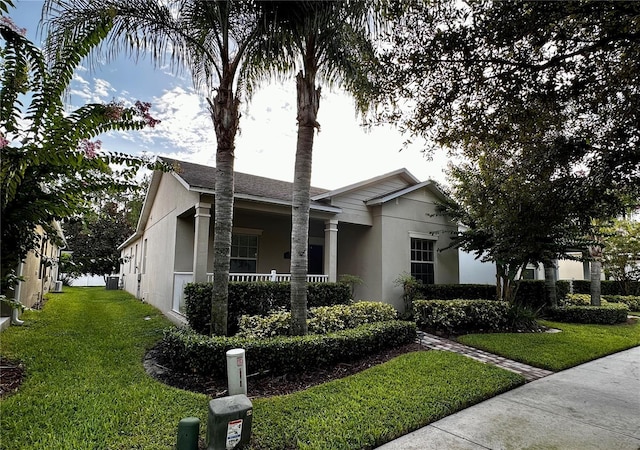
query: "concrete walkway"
592, 406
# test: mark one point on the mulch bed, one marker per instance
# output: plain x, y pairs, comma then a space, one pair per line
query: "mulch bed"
11, 376
267, 386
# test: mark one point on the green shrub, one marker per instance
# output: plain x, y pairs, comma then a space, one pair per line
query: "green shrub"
457, 316
276, 323
187, 351
255, 298
323, 319
632, 301
563, 287
457, 291
607, 287
577, 300
609, 314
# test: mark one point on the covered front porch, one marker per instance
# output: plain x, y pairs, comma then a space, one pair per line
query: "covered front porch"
260, 249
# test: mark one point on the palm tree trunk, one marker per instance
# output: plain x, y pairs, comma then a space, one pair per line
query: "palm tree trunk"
224, 111
550, 284
595, 288
595, 252
308, 98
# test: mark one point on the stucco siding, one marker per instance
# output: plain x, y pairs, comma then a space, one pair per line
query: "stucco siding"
407, 217
352, 203
359, 255
169, 245
39, 278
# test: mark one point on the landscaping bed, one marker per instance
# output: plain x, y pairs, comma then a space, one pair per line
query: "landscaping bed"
266, 386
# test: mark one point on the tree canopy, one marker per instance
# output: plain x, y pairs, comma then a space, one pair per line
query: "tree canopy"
51, 163
522, 73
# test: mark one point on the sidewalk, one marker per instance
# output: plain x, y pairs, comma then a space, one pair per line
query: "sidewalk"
592, 406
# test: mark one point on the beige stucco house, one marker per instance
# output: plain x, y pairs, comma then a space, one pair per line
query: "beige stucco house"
375, 229
39, 270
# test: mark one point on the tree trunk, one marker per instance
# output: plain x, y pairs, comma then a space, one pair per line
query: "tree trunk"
308, 98
550, 284
224, 111
596, 271
595, 251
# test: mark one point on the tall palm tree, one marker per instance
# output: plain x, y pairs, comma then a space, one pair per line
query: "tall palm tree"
332, 41
211, 39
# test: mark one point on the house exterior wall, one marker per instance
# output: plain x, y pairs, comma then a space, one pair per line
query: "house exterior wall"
39, 277
380, 252
354, 209
168, 246
402, 219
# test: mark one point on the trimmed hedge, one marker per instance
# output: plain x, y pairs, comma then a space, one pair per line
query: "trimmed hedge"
531, 293
457, 291
608, 314
187, 351
632, 301
461, 315
607, 287
256, 298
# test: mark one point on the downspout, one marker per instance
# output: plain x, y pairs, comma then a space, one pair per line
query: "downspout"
15, 312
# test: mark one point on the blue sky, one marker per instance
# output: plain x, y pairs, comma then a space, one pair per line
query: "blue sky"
344, 153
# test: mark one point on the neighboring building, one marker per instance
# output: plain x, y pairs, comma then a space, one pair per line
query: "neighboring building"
376, 229
39, 270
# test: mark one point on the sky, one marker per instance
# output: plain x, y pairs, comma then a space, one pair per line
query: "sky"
343, 153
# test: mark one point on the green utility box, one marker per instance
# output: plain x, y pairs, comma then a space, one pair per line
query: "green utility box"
229, 422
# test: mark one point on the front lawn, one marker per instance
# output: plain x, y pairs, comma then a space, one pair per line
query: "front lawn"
576, 344
375, 406
86, 387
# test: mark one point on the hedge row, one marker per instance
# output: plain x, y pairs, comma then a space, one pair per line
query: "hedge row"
608, 314
457, 291
531, 293
187, 351
608, 287
632, 301
256, 298
457, 316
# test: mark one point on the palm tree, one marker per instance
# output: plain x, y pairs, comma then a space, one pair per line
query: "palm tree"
315, 39
212, 39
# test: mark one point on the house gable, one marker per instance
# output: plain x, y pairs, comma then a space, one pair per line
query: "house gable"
357, 200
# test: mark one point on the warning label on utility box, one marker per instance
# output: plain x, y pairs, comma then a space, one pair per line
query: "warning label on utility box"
234, 433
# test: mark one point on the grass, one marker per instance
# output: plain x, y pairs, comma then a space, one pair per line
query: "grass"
86, 387
379, 404
576, 344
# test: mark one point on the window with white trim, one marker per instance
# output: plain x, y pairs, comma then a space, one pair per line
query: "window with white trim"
244, 253
422, 260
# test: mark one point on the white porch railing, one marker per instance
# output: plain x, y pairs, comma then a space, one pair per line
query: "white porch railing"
273, 276
180, 279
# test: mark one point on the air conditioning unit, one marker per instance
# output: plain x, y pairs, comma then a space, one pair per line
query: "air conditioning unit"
58, 286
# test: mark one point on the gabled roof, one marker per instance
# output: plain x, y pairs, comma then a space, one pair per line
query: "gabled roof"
432, 185
200, 178
403, 173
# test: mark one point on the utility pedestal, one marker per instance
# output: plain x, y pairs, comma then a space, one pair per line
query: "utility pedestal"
229, 422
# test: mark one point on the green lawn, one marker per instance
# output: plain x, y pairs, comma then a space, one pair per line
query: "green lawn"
576, 344
86, 387
379, 404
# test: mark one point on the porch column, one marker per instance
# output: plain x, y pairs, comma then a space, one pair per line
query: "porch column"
201, 242
331, 249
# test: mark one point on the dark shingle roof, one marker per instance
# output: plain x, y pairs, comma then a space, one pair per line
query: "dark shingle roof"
203, 177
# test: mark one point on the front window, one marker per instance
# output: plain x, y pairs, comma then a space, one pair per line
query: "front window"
244, 253
422, 260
